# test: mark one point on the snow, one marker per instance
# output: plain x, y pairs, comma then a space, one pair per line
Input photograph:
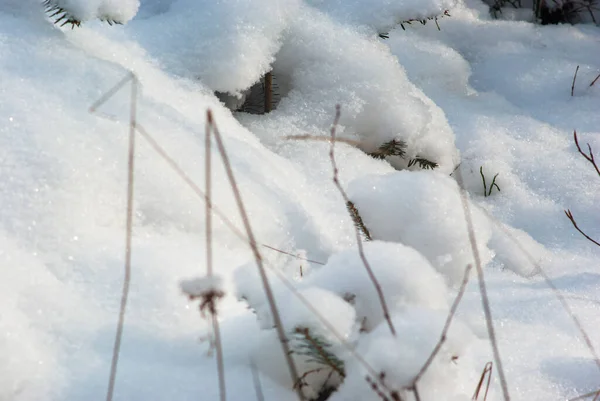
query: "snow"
481, 95
432, 219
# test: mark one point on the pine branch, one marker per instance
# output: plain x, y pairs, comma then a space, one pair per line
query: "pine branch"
423, 163
318, 350
422, 21
63, 16
358, 221
395, 147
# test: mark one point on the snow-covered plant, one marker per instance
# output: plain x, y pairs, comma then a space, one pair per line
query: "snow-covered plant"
74, 12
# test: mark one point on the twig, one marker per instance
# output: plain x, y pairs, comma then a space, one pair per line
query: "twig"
487, 371
257, 256
209, 260
482, 289
256, 380
574, 79
589, 156
128, 232
570, 216
594, 81
361, 252
442, 339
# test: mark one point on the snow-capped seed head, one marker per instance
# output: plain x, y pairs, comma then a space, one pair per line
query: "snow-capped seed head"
208, 289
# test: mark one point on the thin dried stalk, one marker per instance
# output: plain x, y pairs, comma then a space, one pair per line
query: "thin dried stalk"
257, 384
574, 79
487, 372
209, 262
361, 252
449, 319
308, 137
128, 235
482, 289
257, 256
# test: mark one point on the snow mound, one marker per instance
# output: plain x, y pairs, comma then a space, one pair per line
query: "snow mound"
405, 276
399, 359
229, 44
317, 69
422, 210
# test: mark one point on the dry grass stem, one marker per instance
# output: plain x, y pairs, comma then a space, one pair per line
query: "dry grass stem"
260, 396
359, 243
449, 319
574, 79
594, 81
209, 262
257, 256
482, 288
322, 138
487, 372
128, 225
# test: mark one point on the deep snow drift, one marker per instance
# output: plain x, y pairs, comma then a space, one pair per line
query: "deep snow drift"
480, 97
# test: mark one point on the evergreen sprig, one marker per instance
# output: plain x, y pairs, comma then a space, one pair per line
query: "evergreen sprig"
358, 221
395, 147
62, 16
318, 350
423, 163
422, 21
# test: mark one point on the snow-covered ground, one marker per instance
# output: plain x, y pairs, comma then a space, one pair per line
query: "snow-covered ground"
478, 95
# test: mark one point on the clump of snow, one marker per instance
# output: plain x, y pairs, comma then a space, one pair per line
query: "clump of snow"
199, 287
405, 276
382, 15
423, 210
399, 359
378, 102
229, 45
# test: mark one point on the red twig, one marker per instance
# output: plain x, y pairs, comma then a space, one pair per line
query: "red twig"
359, 243
588, 156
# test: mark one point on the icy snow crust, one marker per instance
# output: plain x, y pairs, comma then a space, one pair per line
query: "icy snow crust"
480, 94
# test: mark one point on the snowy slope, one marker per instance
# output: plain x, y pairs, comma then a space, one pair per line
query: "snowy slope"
478, 93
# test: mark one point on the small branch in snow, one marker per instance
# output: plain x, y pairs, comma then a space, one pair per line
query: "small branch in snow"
589, 156
449, 319
361, 252
572, 219
487, 372
574, 79
257, 256
594, 81
482, 287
